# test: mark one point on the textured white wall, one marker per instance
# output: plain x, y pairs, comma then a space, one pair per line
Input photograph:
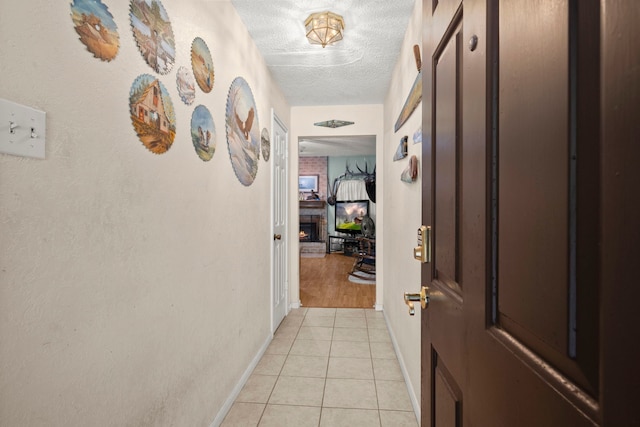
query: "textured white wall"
134, 288
402, 208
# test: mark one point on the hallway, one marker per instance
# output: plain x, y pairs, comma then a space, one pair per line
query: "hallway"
326, 367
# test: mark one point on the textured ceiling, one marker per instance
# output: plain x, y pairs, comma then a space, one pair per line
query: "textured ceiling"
357, 70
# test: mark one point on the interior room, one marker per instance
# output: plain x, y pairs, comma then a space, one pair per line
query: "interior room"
337, 213
337, 252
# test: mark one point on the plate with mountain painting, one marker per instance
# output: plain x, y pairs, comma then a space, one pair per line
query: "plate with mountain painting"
97, 30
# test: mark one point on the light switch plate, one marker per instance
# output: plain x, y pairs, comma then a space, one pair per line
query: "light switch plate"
22, 130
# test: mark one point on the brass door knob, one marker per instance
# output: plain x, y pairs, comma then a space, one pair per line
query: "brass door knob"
423, 297
277, 237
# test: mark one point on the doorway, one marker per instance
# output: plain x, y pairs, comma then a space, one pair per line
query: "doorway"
327, 261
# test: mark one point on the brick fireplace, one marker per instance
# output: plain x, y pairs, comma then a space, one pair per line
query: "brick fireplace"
313, 227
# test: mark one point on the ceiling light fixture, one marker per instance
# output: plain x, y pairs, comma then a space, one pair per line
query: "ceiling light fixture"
324, 28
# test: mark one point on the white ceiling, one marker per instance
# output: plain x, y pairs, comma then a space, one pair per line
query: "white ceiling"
357, 70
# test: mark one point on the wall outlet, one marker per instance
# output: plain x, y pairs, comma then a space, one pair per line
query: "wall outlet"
22, 130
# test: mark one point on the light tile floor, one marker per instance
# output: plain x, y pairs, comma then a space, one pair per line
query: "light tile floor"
326, 367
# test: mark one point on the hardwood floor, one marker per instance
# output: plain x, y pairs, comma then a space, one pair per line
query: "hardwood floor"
324, 282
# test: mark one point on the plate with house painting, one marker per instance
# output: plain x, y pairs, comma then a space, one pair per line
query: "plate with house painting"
203, 133
186, 85
153, 33
152, 113
266, 144
97, 30
202, 64
243, 131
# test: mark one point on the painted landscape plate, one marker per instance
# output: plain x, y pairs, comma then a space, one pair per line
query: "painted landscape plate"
202, 64
152, 113
243, 131
96, 28
186, 85
153, 33
203, 133
266, 144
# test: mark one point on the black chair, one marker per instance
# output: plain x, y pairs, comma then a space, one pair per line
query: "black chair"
364, 265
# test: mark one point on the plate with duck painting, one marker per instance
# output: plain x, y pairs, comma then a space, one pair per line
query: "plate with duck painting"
203, 133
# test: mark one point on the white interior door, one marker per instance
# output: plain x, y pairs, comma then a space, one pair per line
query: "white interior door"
280, 279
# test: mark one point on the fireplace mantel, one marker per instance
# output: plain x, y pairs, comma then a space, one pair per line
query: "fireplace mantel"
312, 204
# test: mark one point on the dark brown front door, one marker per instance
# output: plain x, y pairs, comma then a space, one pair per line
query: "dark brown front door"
520, 163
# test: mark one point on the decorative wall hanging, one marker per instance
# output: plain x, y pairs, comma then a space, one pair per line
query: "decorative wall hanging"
401, 151
243, 131
202, 64
203, 133
369, 179
186, 85
333, 123
153, 33
152, 113
410, 174
417, 135
96, 28
266, 144
415, 94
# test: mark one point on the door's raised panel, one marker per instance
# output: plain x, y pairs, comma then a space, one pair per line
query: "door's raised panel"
533, 193
543, 293
445, 162
448, 405
445, 14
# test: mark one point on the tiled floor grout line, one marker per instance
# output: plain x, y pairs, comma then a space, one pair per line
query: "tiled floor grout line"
341, 372
326, 373
375, 384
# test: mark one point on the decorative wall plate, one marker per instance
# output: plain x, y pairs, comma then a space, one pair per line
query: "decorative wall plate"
401, 151
410, 173
243, 131
266, 144
96, 28
152, 113
417, 135
153, 33
203, 133
202, 64
186, 85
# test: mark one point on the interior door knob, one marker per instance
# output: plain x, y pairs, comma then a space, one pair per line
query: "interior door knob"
277, 237
423, 297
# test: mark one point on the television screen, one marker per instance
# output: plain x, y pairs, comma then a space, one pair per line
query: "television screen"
349, 215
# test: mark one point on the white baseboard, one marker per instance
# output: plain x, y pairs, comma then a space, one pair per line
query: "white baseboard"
378, 307
296, 304
407, 379
243, 380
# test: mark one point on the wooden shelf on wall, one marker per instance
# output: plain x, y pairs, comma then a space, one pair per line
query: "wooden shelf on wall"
312, 204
